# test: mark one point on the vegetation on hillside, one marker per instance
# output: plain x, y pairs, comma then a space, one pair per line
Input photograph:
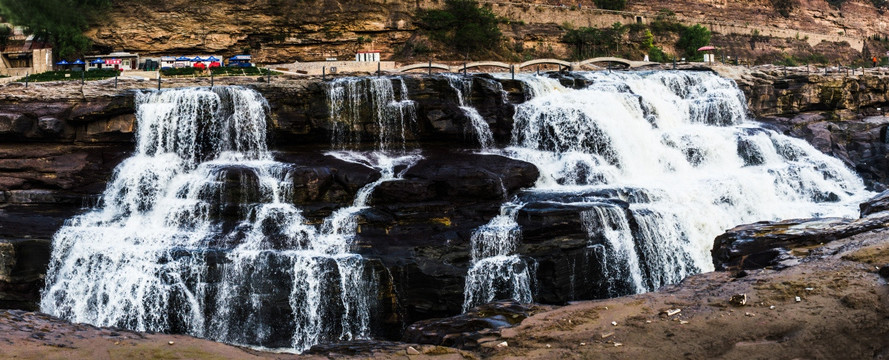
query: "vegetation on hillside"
463, 26
68, 75
635, 40
691, 40
611, 4
590, 42
60, 22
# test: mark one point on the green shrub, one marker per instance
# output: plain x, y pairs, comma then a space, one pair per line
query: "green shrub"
239, 71
462, 25
691, 40
180, 71
592, 42
661, 28
611, 4
67, 75
61, 22
657, 54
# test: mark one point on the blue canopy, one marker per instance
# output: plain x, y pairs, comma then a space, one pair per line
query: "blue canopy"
240, 57
212, 58
97, 61
63, 62
183, 58
78, 62
197, 59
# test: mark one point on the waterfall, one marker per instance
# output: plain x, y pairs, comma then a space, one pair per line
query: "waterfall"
496, 271
197, 233
695, 165
462, 85
368, 105
621, 263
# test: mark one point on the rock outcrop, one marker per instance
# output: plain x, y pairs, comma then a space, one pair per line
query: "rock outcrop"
476, 328
784, 243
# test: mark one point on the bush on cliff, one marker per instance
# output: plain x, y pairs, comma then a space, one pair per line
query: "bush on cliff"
691, 40
611, 4
60, 22
462, 25
592, 42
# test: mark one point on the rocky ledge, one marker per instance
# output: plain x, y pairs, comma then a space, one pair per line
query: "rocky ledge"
778, 244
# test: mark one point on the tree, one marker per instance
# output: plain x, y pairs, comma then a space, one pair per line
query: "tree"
462, 25
611, 4
60, 22
591, 42
691, 40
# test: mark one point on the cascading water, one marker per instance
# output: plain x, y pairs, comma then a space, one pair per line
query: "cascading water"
197, 233
496, 271
389, 109
677, 150
463, 86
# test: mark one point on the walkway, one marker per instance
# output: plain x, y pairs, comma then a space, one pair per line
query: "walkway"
578, 65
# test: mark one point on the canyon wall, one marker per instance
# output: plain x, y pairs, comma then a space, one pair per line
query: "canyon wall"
276, 31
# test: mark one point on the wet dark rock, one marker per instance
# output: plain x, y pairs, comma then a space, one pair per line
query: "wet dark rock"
471, 177
356, 347
876, 204
50, 125
884, 271
22, 266
471, 329
770, 244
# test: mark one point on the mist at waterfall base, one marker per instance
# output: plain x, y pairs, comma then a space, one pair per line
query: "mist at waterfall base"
198, 233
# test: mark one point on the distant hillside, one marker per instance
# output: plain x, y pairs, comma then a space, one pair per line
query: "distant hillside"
277, 31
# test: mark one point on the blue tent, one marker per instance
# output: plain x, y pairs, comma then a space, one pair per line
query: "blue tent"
183, 58
97, 61
63, 62
212, 58
78, 62
197, 59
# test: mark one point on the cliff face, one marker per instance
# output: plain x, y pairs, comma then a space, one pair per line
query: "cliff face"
271, 30
277, 31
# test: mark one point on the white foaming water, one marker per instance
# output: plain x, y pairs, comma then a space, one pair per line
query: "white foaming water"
463, 86
352, 100
682, 143
535, 85
197, 234
496, 271
610, 222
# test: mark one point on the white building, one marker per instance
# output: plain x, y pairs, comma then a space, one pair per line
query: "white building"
368, 56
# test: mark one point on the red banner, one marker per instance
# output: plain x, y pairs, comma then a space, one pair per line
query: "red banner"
112, 62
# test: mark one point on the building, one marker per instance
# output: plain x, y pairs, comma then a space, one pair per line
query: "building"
240, 61
171, 62
23, 55
368, 56
116, 60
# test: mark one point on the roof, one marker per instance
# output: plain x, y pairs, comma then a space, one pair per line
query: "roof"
241, 57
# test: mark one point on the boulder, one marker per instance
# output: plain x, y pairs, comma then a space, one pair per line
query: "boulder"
471, 329
771, 244
876, 204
